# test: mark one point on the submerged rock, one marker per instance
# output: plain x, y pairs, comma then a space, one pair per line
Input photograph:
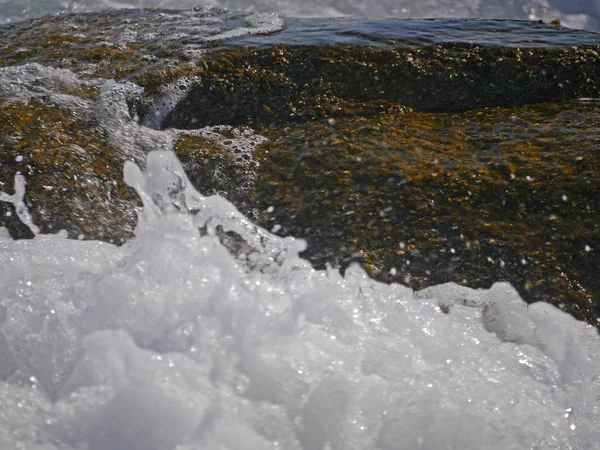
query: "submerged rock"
428, 151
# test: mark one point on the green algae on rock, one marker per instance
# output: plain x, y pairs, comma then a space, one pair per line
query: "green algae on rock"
70, 138
151, 47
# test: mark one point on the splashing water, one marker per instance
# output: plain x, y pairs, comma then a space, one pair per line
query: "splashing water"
171, 342
18, 201
207, 332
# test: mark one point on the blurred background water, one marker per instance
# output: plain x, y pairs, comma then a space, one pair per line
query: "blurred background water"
572, 13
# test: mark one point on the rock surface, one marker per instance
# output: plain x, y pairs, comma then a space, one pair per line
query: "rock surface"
465, 157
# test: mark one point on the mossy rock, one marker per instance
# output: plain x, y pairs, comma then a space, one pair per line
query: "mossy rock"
275, 86
264, 80
74, 179
421, 198
405, 157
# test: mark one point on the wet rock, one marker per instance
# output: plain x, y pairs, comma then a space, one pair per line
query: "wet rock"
74, 179
274, 86
421, 198
427, 151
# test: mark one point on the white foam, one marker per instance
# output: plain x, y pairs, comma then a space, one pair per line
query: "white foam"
18, 201
110, 111
170, 342
259, 23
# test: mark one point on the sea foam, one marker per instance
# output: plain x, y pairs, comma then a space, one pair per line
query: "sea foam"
171, 342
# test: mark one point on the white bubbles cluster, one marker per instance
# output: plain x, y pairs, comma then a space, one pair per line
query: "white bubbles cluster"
170, 342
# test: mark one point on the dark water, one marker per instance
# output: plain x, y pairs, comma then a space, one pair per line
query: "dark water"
424, 32
201, 25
